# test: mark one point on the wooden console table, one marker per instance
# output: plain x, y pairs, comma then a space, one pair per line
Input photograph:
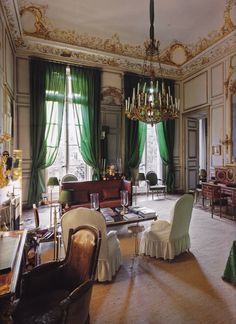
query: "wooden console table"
9, 278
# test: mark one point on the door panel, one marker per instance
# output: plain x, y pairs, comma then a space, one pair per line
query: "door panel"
192, 153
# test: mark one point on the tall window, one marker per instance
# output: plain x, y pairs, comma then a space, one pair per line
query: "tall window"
69, 159
151, 160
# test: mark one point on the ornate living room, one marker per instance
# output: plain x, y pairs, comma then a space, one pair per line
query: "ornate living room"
117, 161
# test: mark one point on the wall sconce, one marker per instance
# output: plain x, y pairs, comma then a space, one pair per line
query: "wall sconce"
227, 142
216, 150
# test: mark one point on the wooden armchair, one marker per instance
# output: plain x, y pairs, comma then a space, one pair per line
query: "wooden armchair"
60, 291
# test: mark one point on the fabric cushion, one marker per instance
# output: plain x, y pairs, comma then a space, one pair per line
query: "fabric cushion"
80, 196
111, 193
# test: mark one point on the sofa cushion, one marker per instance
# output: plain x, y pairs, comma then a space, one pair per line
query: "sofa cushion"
80, 196
111, 193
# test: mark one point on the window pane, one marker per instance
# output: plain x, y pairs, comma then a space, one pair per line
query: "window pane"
151, 160
69, 159
80, 170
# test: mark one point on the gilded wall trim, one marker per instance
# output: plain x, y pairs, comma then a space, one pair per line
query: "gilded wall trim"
230, 83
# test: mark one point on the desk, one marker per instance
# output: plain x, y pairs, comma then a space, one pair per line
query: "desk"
9, 280
231, 196
219, 191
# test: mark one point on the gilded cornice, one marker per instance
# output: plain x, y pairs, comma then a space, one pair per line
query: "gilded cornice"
12, 19
227, 47
96, 58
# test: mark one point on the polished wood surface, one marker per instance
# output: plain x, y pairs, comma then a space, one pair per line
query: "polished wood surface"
217, 192
8, 281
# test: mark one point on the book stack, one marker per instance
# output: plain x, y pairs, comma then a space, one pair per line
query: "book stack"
108, 214
142, 211
146, 212
130, 216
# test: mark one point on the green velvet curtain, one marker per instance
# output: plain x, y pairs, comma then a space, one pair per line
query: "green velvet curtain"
47, 93
86, 89
135, 131
166, 136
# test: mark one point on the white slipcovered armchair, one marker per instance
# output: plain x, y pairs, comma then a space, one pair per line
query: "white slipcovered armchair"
165, 239
109, 259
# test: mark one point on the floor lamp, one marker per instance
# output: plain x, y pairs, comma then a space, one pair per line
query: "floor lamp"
52, 182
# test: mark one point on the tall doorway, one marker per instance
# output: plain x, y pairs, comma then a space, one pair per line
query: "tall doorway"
196, 147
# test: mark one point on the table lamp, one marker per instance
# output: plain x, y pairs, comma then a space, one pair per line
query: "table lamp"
52, 182
65, 198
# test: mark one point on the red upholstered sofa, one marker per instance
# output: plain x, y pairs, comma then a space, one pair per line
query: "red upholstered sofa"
109, 192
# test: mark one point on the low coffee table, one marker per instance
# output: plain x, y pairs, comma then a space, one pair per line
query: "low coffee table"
113, 218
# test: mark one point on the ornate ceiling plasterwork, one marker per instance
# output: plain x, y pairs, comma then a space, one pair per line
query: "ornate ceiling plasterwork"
185, 53
227, 47
181, 59
177, 54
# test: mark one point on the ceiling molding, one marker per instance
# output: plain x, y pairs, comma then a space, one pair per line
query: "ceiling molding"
178, 59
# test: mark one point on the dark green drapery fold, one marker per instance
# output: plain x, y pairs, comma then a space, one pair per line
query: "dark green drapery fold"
166, 136
47, 82
135, 131
86, 89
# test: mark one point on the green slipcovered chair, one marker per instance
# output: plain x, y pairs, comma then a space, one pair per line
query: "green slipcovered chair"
230, 269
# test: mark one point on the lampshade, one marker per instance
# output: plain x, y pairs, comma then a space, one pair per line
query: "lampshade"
65, 197
53, 182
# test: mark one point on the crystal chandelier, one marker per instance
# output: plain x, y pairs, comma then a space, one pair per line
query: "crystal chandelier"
152, 103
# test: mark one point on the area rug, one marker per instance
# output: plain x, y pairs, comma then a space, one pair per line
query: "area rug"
187, 290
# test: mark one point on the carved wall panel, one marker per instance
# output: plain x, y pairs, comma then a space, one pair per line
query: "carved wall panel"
111, 118
216, 129
195, 91
217, 80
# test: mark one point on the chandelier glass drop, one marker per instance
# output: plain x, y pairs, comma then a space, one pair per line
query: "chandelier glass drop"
152, 103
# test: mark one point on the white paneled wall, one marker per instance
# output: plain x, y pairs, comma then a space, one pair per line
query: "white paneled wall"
196, 91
